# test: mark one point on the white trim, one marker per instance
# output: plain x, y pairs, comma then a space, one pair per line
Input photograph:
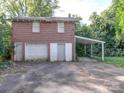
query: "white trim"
53, 51
91, 50
89, 39
102, 51
85, 50
36, 27
74, 49
60, 27
68, 51
19, 57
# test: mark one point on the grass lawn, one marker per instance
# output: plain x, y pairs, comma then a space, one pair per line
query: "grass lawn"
117, 61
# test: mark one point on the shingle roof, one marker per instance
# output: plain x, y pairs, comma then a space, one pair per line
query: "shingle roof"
44, 19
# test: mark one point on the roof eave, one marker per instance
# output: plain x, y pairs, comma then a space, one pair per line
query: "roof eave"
49, 19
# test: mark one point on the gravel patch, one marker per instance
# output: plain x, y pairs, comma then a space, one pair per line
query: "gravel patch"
65, 77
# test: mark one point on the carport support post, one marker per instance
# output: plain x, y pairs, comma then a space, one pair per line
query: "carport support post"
102, 51
85, 49
91, 50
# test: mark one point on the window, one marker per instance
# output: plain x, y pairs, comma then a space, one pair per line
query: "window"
36, 27
61, 27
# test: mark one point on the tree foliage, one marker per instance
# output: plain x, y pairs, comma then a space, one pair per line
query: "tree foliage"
104, 27
5, 38
108, 26
12, 8
29, 7
119, 19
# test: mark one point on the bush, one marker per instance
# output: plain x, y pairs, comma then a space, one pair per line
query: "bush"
5, 64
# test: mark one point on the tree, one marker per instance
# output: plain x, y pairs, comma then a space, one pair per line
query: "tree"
98, 26
103, 27
42, 7
119, 19
14, 8
84, 31
5, 38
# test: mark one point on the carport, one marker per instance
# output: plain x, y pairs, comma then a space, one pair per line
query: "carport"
89, 41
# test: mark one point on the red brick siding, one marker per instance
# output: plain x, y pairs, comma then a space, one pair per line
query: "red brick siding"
22, 32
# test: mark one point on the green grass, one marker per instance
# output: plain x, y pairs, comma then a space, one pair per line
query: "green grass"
117, 61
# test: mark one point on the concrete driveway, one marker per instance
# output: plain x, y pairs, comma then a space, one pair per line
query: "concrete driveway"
65, 77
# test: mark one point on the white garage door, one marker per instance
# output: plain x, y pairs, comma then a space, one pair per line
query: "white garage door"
18, 50
61, 52
36, 51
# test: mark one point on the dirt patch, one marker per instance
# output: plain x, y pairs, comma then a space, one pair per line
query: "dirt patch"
66, 77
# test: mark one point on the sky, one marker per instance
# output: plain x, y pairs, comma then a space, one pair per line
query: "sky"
83, 8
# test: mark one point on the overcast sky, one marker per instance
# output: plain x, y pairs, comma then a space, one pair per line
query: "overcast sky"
83, 8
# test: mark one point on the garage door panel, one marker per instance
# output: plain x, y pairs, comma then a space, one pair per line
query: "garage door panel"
68, 51
18, 50
36, 51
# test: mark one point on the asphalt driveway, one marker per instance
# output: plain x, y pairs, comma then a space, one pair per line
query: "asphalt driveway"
65, 77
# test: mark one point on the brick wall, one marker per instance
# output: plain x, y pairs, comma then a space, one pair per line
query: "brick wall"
22, 31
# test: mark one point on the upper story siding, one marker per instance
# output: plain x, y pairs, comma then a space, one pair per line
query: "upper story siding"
22, 32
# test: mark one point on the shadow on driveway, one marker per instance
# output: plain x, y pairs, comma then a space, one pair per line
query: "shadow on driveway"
66, 77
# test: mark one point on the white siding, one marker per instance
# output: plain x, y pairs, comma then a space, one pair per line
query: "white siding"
36, 27
60, 27
53, 51
68, 51
61, 52
18, 50
36, 51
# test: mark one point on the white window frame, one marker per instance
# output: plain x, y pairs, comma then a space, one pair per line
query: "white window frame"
61, 27
36, 27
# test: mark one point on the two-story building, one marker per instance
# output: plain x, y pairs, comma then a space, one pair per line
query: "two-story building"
46, 38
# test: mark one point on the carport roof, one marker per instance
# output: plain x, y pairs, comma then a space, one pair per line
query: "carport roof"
85, 40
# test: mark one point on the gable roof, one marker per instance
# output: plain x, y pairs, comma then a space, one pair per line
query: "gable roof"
44, 19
